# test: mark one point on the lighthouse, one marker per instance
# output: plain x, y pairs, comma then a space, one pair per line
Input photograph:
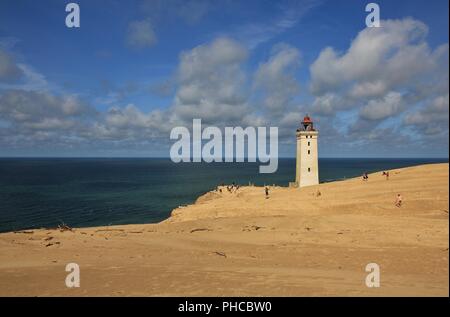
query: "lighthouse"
307, 168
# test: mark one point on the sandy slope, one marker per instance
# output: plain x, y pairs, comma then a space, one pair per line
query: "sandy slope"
292, 244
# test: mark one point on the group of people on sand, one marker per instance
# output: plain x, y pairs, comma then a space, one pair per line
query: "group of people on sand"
230, 188
234, 187
398, 200
365, 176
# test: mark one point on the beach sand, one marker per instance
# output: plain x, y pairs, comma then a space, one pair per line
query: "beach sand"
294, 243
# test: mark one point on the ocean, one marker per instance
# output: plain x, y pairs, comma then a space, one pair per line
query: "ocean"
81, 192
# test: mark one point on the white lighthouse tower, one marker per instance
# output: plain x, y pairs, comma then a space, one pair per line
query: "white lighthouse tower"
307, 172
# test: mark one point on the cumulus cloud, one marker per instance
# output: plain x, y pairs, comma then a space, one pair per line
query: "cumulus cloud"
28, 108
378, 109
41, 119
35, 118
211, 83
384, 74
276, 77
327, 104
129, 123
140, 34
386, 92
380, 64
387, 54
9, 71
431, 119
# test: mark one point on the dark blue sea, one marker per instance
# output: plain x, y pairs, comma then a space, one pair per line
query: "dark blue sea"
43, 192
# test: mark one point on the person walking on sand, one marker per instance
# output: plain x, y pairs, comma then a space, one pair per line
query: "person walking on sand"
399, 200
267, 192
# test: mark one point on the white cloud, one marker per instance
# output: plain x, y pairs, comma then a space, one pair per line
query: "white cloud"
368, 89
367, 84
35, 118
431, 119
327, 104
378, 109
129, 123
210, 85
379, 60
386, 73
277, 77
24, 106
211, 82
376, 53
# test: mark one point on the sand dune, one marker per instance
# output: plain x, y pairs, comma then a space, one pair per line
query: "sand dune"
295, 243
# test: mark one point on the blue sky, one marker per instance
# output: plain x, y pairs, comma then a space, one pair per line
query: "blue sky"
133, 70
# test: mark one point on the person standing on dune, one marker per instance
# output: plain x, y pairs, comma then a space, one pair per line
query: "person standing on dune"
399, 200
267, 192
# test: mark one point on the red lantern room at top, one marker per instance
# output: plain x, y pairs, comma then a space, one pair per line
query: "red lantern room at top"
307, 124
